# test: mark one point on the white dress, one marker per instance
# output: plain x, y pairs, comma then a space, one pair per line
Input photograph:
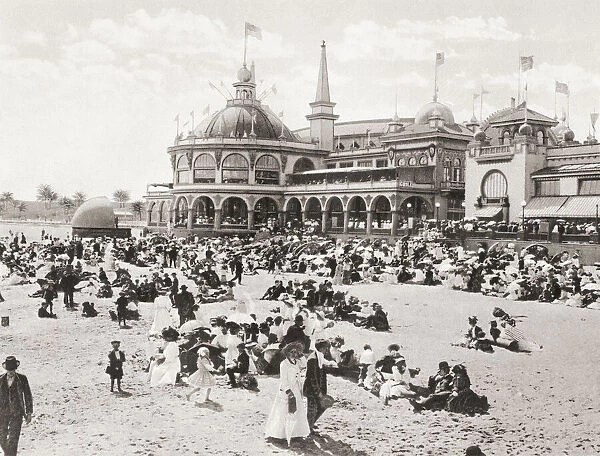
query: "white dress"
162, 316
202, 378
280, 423
165, 373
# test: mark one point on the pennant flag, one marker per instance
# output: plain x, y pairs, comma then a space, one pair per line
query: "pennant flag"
206, 110
475, 96
191, 113
562, 87
594, 118
526, 63
439, 58
483, 91
176, 119
253, 30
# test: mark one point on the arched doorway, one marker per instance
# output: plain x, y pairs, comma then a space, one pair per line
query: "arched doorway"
234, 213
417, 207
313, 213
357, 208
152, 213
161, 212
294, 211
181, 213
382, 213
335, 214
204, 212
265, 212
303, 164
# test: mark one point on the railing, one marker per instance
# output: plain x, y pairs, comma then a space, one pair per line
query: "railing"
447, 185
495, 150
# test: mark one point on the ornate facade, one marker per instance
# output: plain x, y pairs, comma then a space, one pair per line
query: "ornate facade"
242, 168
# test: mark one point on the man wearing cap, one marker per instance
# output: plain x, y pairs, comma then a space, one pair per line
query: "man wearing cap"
440, 386
184, 302
16, 403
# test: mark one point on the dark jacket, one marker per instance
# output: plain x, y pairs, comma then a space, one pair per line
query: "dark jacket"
316, 379
25, 401
115, 365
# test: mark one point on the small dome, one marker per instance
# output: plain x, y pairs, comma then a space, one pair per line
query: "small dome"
94, 213
480, 136
569, 135
525, 129
244, 74
434, 108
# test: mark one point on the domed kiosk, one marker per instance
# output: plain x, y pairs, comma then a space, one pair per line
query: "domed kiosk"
96, 218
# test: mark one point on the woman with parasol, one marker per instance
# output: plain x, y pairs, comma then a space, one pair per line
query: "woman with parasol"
288, 417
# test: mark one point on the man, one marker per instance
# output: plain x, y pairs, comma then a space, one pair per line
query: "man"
295, 333
174, 288
68, 282
315, 384
16, 403
440, 386
241, 365
238, 269
184, 302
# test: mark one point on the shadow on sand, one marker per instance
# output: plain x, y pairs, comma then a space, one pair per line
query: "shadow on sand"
210, 405
318, 445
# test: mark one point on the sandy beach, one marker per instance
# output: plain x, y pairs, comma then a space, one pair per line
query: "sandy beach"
541, 403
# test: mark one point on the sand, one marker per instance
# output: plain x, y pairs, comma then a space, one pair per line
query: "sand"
545, 402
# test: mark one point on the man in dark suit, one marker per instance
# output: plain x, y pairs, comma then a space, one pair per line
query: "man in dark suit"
174, 288
16, 403
68, 282
315, 385
242, 365
184, 302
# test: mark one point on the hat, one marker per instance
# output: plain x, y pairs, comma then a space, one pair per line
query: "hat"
321, 343
393, 347
183, 287
292, 346
115, 342
11, 363
474, 450
250, 344
443, 365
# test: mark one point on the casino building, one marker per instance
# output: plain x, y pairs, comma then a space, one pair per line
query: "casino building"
242, 169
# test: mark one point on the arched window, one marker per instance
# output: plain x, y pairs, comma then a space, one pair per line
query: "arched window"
540, 136
447, 172
204, 169
494, 186
505, 141
303, 164
456, 170
183, 172
235, 169
267, 170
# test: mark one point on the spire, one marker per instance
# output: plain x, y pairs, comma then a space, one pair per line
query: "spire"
323, 81
253, 78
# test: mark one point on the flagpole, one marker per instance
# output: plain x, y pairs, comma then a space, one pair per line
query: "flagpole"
177, 121
192, 113
473, 105
481, 105
519, 89
245, 41
435, 89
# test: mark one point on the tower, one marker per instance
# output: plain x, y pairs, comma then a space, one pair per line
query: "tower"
322, 117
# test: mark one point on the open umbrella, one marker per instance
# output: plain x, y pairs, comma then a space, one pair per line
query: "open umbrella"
190, 326
592, 286
240, 318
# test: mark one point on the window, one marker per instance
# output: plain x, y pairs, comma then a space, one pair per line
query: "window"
550, 187
267, 170
330, 165
235, 169
589, 186
303, 164
540, 137
412, 161
494, 186
423, 160
446, 169
355, 145
456, 170
346, 164
505, 138
382, 163
365, 163
204, 169
183, 172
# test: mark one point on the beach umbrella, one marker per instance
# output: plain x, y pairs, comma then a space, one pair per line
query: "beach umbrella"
190, 326
446, 267
592, 286
240, 318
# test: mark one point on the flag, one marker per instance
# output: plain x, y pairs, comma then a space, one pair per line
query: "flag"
186, 124
222, 84
274, 89
526, 63
176, 119
475, 96
439, 58
253, 30
594, 118
561, 87
483, 91
280, 114
206, 110
192, 114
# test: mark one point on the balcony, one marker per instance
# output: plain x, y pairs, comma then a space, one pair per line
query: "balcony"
450, 185
486, 153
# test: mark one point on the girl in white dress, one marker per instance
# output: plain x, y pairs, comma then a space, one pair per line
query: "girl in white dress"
288, 414
203, 377
165, 367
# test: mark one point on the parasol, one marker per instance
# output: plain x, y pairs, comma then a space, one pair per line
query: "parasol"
592, 286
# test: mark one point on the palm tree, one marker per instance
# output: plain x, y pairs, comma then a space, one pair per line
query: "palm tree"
137, 207
121, 196
7, 198
46, 194
79, 198
66, 204
21, 207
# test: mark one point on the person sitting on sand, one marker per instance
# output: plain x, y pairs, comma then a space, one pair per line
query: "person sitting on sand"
476, 336
398, 385
440, 386
463, 399
43, 311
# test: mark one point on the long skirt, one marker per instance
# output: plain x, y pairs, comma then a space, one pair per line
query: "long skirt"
284, 425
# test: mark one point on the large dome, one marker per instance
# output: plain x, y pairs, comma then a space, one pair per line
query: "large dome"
423, 115
236, 121
94, 213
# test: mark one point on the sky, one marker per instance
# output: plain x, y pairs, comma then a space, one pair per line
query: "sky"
89, 90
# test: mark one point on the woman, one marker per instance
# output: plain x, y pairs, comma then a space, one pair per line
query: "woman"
398, 385
288, 415
165, 366
476, 337
463, 399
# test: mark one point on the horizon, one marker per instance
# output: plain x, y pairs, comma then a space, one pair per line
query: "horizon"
96, 88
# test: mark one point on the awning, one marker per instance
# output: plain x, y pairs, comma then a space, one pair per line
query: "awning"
579, 207
544, 206
487, 212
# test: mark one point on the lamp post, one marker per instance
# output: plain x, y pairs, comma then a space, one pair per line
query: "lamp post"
523, 204
597, 233
437, 214
408, 206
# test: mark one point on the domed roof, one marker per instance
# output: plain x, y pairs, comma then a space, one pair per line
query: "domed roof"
94, 213
569, 135
525, 129
480, 136
236, 121
244, 74
434, 108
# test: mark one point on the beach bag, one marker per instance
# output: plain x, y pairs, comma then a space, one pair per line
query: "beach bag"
326, 401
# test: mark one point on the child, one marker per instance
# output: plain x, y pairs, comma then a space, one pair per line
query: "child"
365, 360
116, 358
203, 377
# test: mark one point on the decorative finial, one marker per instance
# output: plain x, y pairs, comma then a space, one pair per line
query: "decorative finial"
323, 43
